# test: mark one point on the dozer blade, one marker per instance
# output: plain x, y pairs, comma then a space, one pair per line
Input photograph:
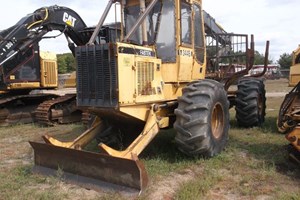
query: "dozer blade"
120, 171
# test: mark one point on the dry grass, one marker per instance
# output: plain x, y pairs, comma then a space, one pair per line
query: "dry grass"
280, 85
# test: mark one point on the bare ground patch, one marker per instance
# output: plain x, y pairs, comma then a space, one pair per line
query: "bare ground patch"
164, 188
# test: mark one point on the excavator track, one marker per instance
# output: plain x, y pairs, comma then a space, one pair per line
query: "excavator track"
47, 113
19, 108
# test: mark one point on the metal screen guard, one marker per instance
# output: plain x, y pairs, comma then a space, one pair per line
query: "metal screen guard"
100, 23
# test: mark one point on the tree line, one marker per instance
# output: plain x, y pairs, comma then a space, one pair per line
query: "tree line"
66, 61
285, 60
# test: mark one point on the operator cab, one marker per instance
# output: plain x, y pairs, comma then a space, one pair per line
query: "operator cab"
163, 31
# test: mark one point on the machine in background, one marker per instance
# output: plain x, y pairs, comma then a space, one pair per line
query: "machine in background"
289, 112
28, 77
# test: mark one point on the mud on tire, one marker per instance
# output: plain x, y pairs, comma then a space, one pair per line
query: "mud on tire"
250, 102
202, 119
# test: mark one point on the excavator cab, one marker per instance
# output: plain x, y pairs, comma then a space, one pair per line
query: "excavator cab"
29, 70
149, 74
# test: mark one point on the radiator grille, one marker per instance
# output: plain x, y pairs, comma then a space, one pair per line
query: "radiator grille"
145, 73
96, 76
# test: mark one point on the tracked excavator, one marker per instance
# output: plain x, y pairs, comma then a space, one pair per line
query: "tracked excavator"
161, 72
28, 77
289, 113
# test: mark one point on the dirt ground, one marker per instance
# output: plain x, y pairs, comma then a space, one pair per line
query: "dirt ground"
15, 151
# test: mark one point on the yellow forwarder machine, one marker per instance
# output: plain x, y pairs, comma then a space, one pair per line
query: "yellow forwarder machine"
151, 76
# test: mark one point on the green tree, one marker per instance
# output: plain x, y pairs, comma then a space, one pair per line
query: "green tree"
259, 59
66, 63
285, 60
61, 63
70, 61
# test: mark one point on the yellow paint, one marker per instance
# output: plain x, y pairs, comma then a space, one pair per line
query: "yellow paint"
294, 137
169, 72
295, 68
49, 71
185, 58
69, 23
70, 81
294, 75
81, 141
24, 85
140, 143
168, 80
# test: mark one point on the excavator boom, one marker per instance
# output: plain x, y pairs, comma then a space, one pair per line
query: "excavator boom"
33, 27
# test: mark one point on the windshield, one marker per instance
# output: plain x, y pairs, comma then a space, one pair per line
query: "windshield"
160, 25
131, 16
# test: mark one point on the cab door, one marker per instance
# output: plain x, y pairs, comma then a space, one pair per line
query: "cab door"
49, 71
185, 51
191, 51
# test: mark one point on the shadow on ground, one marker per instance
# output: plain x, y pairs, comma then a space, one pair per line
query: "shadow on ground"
270, 147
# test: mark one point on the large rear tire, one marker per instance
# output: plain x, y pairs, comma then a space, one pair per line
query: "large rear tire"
250, 102
202, 119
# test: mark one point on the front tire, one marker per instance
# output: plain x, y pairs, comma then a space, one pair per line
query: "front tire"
202, 119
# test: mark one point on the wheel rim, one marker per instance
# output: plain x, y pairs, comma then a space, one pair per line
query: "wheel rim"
217, 122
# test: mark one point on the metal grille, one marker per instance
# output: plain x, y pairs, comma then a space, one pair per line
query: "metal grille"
227, 54
145, 73
96, 76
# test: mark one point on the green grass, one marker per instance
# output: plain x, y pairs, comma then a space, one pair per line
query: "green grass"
255, 160
162, 156
196, 189
20, 183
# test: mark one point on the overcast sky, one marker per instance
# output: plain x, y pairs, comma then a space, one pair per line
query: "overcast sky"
272, 20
